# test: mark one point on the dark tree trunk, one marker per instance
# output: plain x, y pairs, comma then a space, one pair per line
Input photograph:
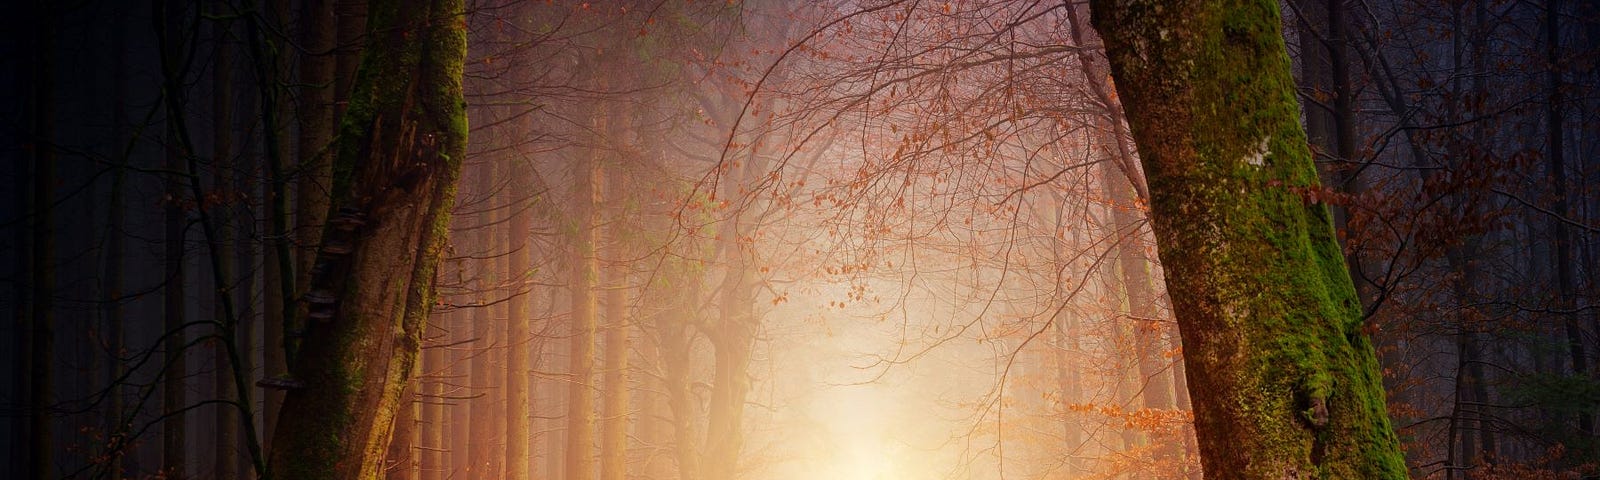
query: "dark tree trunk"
117, 446
1566, 277
226, 440
40, 331
1286, 384
399, 156
316, 25
278, 320
171, 20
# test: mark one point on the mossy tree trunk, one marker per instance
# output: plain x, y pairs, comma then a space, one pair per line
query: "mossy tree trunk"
399, 155
1285, 383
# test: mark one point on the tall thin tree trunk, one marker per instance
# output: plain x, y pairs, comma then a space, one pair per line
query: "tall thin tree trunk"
1269, 316
461, 408
1148, 339
653, 428
174, 396
614, 435
614, 431
580, 393
278, 319
732, 341
431, 440
1566, 277
225, 442
677, 343
555, 390
1069, 384
519, 339
40, 332
117, 446
399, 159
435, 376
317, 30
485, 417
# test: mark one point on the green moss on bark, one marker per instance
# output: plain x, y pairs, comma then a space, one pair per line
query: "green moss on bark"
1284, 383
399, 158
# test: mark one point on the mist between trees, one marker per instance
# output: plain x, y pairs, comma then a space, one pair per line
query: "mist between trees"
774, 240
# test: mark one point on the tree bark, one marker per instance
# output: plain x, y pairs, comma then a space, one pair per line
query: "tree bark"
399, 156
613, 432
40, 331
677, 348
278, 272
732, 339
174, 395
114, 279
1566, 277
431, 441
485, 419
580, 393
317, 27
401, 460
519, 338
1286, 384
226, 440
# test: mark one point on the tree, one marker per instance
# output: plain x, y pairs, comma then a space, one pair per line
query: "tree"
399, 157
1286, 382
584, 271
39, 330
171, 18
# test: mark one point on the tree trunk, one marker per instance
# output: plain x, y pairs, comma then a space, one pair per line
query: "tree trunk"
315, 113
519, 338
278, 272
732, 342
1286, 384
677, 347
431, 441
461, 408
1566, 281
484, 417
174, 399
653, 426
580, 393
401, 460
117, 447
614, 432
226, 440
555, 390
1069, 384
399, 156
40, 331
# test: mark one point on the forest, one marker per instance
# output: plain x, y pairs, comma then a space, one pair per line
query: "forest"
797, 240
